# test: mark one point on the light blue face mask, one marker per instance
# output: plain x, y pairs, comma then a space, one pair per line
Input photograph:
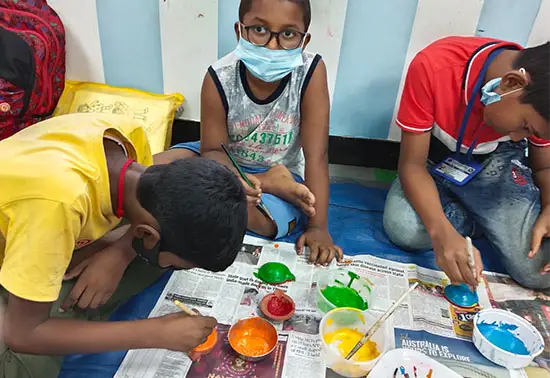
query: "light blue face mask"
266, 64
488, 94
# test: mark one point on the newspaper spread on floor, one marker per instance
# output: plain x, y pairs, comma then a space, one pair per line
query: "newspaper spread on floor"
425, 322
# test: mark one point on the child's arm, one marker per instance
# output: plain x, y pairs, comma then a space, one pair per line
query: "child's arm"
213, 123
314, 131
540, 163
28, 329
419, 188
417, 183
100, 270
214, 133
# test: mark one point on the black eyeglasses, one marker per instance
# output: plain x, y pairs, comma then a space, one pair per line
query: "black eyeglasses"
288, 39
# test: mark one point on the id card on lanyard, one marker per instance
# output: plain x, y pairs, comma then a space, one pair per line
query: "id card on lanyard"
459, 168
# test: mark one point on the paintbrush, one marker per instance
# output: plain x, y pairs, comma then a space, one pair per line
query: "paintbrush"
184, 308
261, 206
471, 260
379, 322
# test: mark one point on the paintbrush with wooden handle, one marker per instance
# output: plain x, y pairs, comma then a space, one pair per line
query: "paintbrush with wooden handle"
261, 206
184, 308
471, 259
379, 322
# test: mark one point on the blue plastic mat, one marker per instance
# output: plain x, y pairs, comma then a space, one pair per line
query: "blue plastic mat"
355, 218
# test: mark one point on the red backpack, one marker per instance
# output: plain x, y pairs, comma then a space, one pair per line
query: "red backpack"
32, 63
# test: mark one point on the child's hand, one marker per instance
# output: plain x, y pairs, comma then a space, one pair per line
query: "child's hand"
252, 194
541, 230
451, 255
321, 247
98, 278
182, 333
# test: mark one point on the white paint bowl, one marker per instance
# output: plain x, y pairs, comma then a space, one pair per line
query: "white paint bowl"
525, 332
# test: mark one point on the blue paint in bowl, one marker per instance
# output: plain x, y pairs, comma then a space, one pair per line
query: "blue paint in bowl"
500, 334
499, 340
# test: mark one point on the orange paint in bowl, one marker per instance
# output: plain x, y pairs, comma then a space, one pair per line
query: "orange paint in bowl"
253, 338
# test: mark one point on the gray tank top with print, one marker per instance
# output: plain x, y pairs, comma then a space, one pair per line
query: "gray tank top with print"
263, 133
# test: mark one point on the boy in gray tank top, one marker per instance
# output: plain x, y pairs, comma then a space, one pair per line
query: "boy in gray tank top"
268, 102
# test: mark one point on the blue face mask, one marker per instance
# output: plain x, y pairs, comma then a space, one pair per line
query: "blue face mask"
488, 94
268, 65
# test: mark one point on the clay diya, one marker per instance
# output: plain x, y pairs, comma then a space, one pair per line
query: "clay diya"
274, 273
253, 338
278, 306
202, 350
461, 296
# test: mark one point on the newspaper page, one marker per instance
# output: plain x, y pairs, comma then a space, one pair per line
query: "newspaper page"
426, 322
230, 296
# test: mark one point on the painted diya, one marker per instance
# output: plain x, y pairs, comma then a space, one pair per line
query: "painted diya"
461, 296
274, 273
205, 348
277, 306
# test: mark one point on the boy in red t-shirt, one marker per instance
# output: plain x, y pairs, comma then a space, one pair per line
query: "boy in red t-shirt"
483, 98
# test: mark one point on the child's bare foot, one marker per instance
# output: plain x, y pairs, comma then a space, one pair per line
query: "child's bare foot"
279, 182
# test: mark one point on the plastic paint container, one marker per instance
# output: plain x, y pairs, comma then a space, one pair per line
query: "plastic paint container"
253, 338
500, 336
332, 349
335, 282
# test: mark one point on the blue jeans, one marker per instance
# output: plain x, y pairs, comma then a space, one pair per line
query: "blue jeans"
502, 202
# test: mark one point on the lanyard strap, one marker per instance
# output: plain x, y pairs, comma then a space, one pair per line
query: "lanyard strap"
470, 106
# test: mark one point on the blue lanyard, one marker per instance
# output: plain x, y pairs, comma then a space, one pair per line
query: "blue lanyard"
468, 111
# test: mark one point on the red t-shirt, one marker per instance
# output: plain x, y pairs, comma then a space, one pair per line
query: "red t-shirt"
439, 84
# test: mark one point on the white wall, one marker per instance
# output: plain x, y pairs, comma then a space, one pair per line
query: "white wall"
366, 46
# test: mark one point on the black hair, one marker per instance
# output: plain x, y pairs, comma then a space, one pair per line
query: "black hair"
536, 61
304, 5
200, 207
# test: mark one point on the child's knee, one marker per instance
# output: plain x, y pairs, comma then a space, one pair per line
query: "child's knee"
527, 272
405, 229
531, 278
401, 223
513, 247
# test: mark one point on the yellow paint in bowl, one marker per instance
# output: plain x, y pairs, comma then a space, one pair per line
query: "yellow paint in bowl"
344, 339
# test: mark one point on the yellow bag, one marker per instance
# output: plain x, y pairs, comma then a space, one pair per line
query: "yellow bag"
155, 112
